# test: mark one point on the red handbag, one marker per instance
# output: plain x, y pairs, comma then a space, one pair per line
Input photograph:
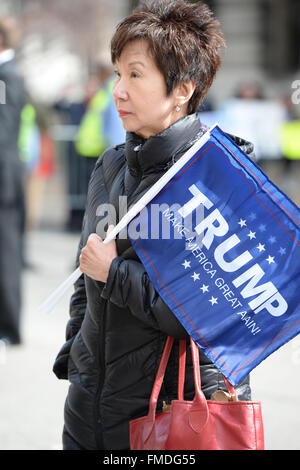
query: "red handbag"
199, 424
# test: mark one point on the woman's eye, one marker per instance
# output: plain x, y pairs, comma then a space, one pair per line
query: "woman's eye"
135, 74
116, 73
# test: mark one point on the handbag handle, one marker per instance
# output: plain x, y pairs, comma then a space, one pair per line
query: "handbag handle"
198, 415
159, 378
181, 375
181, 371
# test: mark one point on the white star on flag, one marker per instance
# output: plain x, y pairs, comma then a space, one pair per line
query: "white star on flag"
282, 251
196, 276
186, 264
251, 235
261, 247
213, 300
204, 288
270, 259
242, 223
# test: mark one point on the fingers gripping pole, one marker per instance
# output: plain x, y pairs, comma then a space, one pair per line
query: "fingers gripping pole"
52, 300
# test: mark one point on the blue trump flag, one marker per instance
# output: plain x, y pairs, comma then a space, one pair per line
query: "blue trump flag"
220, 243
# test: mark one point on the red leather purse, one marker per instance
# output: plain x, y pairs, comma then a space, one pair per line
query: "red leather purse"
199, 424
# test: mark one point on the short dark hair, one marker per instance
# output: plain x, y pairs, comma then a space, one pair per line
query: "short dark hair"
184, 40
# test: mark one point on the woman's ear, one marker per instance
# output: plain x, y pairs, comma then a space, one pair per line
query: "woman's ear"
183, 93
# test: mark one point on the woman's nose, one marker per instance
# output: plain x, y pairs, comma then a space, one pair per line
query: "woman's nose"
119, 90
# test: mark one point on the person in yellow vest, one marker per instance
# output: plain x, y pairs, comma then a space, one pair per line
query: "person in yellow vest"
100, 126
290, 139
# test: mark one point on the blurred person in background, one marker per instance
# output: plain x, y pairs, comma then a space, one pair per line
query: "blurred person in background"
37, 151
11, 189
249, 91
290, 139
166, 55
100, 127
70, 113
29, 148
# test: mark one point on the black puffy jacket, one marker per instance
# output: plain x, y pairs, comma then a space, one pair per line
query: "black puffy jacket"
117, 330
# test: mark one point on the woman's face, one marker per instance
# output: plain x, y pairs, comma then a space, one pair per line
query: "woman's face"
140, 94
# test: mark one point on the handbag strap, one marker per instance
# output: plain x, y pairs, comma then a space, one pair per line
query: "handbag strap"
230, 388
195, 354
160, 377
199, 400
198, 415
181, 370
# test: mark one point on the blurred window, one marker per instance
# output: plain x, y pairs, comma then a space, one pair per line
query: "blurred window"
281, 36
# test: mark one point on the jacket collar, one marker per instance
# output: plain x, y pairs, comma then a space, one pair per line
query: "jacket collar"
158, 152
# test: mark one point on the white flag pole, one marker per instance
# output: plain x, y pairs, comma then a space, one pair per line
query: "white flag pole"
52, 300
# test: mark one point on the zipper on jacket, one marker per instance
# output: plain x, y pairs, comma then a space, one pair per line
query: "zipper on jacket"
136, 171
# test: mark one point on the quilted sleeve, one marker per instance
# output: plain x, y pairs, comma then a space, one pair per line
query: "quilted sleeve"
128, 286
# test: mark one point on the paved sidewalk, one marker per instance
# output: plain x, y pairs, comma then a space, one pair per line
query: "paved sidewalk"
32, 399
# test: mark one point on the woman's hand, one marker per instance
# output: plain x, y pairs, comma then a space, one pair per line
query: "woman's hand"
96, 258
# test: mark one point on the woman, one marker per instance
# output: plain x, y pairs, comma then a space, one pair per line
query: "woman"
166, 55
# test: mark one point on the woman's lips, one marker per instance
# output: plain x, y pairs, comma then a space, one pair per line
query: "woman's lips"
123, 113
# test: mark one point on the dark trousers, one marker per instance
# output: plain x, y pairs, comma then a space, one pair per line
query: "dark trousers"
10, 272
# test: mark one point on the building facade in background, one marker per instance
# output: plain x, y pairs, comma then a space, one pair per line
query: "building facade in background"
263, 39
